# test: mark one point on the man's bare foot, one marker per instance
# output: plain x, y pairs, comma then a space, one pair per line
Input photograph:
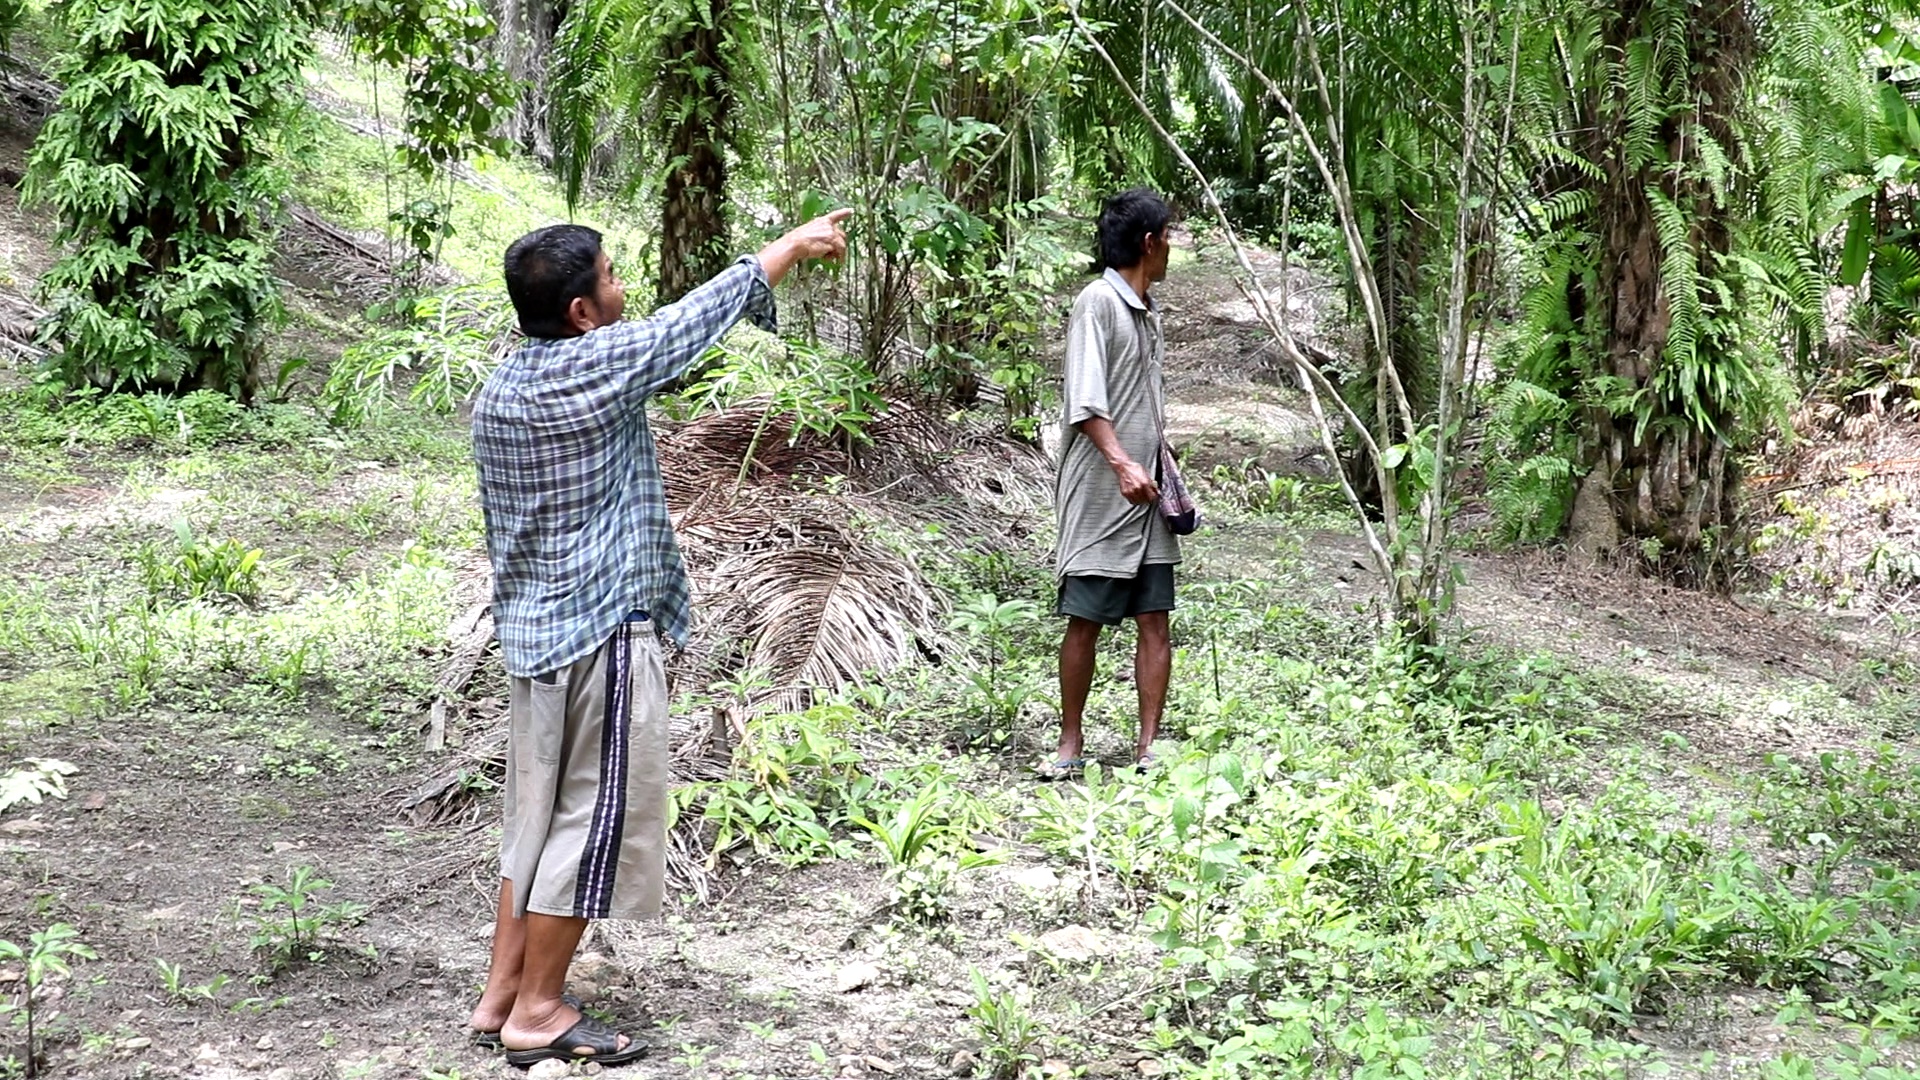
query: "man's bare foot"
535, 1025
490, 1015
1067, 762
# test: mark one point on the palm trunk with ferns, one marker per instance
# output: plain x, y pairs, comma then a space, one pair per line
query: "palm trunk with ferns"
1666, 369
696, 109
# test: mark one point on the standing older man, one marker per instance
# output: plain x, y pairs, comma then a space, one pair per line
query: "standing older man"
1115, 554
587, 577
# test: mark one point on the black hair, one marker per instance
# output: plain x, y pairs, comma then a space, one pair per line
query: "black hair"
1125, 219
546, 270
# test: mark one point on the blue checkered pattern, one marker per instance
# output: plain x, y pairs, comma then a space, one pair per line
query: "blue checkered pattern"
576, 516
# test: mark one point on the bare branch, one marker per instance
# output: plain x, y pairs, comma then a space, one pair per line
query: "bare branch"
1312, 379
1333, 173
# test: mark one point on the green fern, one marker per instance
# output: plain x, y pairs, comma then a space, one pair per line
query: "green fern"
1529, 462
1565, 207
1679, 278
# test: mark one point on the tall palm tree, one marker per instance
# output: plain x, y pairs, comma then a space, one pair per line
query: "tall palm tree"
631, 81
1679, 151
695, 107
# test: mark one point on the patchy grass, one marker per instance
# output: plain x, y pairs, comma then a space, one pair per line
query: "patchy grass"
1355, 859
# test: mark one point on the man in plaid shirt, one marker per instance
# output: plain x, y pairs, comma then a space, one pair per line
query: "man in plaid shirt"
587, 577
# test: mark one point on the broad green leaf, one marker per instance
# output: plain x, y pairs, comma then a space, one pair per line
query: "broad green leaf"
1857, 252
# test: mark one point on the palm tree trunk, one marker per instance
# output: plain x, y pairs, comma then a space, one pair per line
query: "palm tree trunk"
527, 28
698, 107
1669, 470
1669, 479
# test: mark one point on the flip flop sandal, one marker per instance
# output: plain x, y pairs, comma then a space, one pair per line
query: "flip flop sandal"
490, 1040
1151, 759
1062, 768
601, 1043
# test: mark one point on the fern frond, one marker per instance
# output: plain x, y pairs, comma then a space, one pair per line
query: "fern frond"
1680, 281
1566, 206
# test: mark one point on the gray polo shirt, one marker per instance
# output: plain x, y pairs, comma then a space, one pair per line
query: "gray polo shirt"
1112, 370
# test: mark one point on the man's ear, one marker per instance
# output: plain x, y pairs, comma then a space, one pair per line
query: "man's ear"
579, 315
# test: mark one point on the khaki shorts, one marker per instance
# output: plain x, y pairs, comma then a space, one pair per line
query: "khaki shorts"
586, 791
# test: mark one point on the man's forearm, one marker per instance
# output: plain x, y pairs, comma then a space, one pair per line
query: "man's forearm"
820, 238
1135, 484
778, 258
1099, 431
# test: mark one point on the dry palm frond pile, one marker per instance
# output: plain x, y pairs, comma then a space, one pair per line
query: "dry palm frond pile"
803, 575
360, 267
795, 579
1837, 507
20, 320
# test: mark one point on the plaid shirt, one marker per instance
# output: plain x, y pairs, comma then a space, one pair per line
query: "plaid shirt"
576, 516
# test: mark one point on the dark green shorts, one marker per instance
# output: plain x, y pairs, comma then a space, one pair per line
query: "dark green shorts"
1107, 600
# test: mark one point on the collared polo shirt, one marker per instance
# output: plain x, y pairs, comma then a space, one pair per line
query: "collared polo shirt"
1112, 371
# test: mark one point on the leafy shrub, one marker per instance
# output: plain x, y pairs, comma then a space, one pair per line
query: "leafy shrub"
998, 688
37, 779
196, 568
1098, 823
1005, 1027
167, 105
1335, 1034
794, 779
817, 390
1874, 802
48, 414
1786, 939
292, 925
173, 980
921, 837
1617, 922
45, 958
447, 348
989, 307
1252, 488
455, 92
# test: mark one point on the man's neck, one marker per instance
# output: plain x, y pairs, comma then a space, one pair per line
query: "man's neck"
1136, 278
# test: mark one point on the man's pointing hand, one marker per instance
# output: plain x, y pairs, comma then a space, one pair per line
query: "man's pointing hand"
821, 238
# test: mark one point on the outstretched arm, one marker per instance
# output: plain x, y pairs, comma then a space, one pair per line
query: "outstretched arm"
672, 339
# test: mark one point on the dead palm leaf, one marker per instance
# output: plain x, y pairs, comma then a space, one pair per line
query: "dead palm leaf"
825, 616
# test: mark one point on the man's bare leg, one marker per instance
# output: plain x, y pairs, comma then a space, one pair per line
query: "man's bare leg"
503, 971
1076, 679
1152, 667
539, 1016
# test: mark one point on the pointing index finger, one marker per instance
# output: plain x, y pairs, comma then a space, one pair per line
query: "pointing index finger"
840, 215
